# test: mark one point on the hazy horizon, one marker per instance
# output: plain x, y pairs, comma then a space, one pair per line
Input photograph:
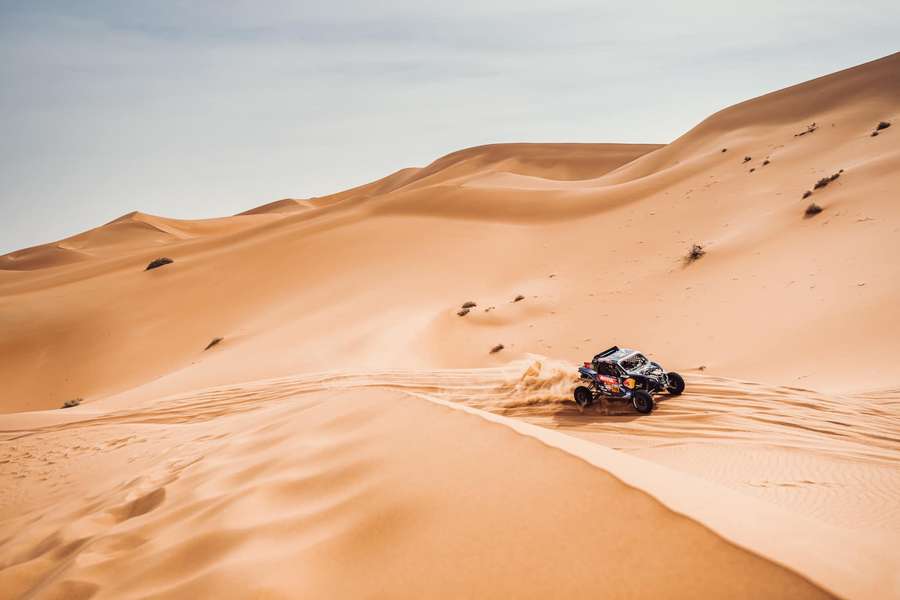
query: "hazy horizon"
195, 110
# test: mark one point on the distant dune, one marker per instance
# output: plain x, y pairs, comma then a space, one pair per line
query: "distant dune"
351, 435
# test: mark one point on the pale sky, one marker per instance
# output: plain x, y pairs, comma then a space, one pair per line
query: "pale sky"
205, 108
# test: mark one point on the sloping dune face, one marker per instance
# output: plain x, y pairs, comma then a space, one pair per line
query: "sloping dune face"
344, 495
305, 255
266, 403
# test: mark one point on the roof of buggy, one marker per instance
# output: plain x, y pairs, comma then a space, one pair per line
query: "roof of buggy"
615, 353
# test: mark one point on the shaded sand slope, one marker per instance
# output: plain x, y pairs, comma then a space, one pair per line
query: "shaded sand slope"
338, 494
287, 205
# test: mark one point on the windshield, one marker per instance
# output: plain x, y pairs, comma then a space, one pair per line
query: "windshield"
634, 362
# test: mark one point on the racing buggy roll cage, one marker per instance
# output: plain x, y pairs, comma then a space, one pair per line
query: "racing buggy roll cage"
623, 374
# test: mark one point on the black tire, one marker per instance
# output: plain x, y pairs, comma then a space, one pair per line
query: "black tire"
676, 383
583, 396
642, 401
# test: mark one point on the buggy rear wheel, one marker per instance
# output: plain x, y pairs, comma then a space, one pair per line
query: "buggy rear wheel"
583, 396
642, 401
676, 383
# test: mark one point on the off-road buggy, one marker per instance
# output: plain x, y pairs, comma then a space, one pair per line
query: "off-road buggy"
627, 375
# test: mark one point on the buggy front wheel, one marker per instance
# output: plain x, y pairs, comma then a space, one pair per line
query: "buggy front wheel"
583, 396
642, 401
676, 383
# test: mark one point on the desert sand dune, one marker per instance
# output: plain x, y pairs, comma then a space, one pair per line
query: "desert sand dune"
287, 205
323, 442
342, 494
811, 446
130, 233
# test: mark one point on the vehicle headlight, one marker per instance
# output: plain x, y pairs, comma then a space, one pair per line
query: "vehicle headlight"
629, 383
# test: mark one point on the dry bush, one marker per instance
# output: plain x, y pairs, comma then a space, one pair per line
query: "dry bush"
748, 159
72, 403
812, 210
696, 252
807, 194
469, 304
809, 129
519, 298
826, 180
214, 341
462, 312
159, 262
497, 348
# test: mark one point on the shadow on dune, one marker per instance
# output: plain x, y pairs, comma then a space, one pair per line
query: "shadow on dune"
570, 415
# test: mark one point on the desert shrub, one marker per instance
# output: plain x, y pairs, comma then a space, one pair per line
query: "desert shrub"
696, 252
497, 348
882, 125
724, 149
748, 158
519, 298
807, 194
214, 341
765, 162
71, 403
753, 169
874, 133
826, 180
809, 129
469, 304
159, 262
463, 312
812, 210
